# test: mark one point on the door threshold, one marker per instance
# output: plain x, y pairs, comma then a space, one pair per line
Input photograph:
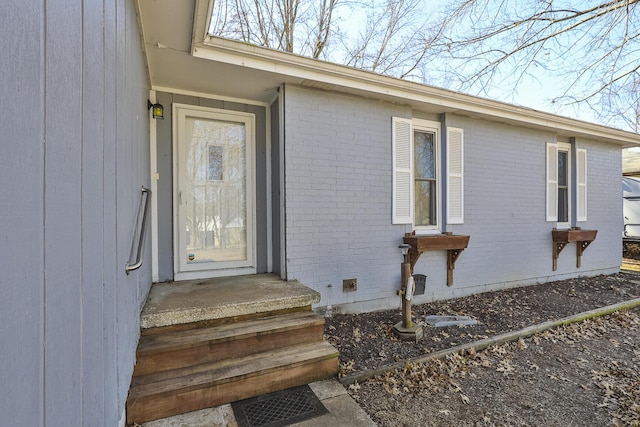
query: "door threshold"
210, 274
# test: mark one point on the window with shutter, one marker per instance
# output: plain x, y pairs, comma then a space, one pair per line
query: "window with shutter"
562, 184
417, 175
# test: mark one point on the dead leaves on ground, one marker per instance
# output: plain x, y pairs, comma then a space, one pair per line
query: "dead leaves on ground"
620, 386
346, 368
619, 383
361, 336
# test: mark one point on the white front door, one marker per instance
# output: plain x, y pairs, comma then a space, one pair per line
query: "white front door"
214, 197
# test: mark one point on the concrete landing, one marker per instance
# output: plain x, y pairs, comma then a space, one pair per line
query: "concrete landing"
173, 303
343, 411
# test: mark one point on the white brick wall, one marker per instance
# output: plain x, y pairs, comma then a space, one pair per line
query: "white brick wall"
338, 209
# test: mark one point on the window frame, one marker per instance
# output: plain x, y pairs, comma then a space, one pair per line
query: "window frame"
427, 126
564, 147
449, 164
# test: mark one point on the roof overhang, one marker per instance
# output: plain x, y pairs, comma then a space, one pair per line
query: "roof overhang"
183, 58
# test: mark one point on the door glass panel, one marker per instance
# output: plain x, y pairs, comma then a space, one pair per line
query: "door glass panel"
214, 191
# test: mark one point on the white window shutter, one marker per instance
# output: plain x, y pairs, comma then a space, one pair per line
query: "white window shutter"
581, 159
455, 175
402, 204
552, 182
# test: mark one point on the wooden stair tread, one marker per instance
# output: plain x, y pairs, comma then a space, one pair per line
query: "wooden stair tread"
229, 370
141, 409
185, 339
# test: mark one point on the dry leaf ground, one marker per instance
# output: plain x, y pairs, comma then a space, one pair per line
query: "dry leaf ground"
586, 374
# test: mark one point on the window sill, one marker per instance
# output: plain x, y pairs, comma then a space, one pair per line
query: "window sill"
562, 227
426, 232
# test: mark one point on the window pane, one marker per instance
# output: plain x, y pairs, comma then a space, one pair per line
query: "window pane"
424, 155
563, 205
425, 200
215, 162
562, 168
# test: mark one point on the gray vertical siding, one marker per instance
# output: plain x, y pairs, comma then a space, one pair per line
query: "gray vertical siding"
165, 183
338, 214
74, 153
164, 189
275, 188
93, 87
262, 192
21, 214
62, 215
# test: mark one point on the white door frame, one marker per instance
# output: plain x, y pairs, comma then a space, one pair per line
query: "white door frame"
180, 111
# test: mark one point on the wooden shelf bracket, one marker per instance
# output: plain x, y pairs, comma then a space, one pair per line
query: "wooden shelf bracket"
557, 248
453, 244
561, 238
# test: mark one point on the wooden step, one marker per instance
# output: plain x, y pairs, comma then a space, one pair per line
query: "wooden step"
220, 321
179, 391
174, 350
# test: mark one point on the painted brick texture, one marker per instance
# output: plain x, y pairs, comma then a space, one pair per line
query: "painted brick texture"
338, 210
338, 195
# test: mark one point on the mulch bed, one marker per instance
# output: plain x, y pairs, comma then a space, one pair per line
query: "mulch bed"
366, 341
583, 374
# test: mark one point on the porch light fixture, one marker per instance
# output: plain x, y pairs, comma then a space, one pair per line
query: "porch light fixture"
157, 110
405, 250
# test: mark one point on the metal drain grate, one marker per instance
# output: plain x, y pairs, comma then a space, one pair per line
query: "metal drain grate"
278, 409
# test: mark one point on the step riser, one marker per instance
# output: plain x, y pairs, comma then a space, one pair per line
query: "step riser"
223, 321
212, 351
218, 393
204, 364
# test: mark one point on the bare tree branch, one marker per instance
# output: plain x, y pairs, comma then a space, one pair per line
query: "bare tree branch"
391, 37
592, 45
474, 46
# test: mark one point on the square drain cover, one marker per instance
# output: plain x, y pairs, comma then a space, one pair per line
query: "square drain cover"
277, 409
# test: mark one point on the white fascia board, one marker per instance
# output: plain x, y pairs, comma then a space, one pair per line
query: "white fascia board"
143, 37
167, 89
297, 69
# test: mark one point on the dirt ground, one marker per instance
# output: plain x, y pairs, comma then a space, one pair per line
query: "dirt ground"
584, 374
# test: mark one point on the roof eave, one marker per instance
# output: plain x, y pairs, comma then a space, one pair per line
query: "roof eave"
297, 68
